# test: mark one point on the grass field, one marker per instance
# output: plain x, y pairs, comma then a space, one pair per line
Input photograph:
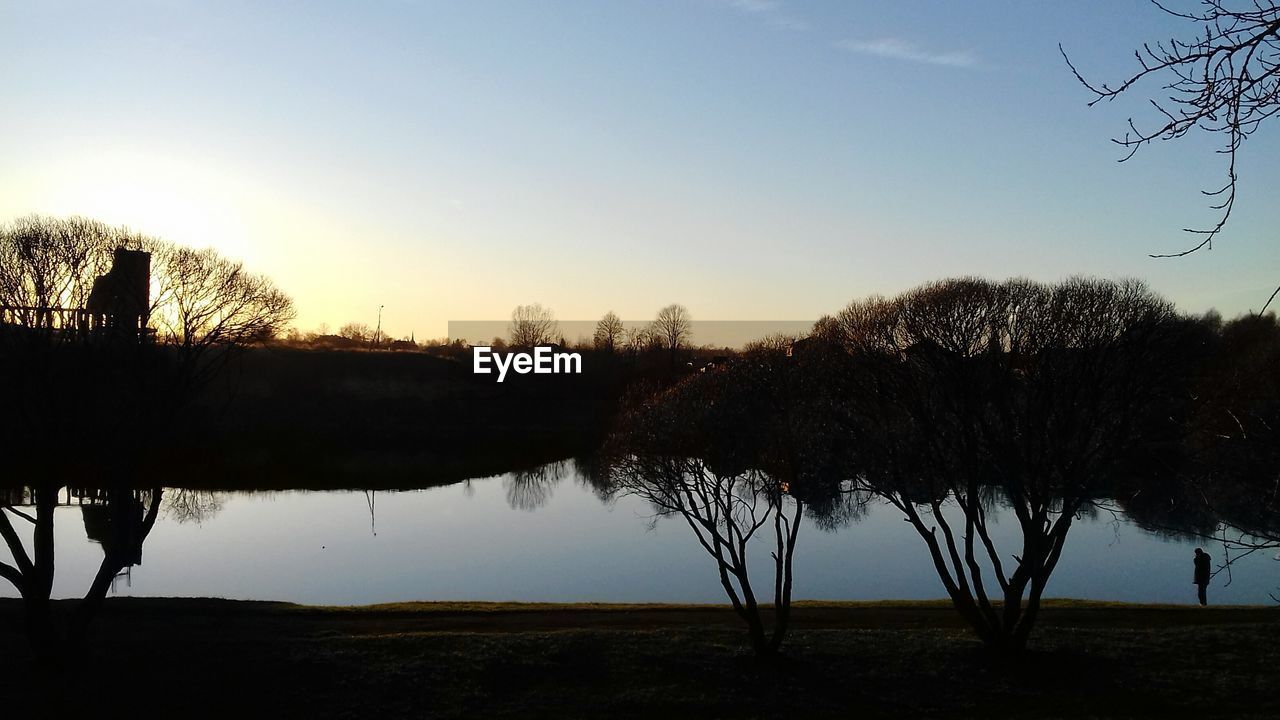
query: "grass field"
214, 658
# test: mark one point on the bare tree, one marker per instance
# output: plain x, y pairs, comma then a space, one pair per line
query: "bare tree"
1225, 80
673, 326
636, 340
738, 456
532, 325
48, 265
725, 511
206, 302
120, 517
359, 332
964, 395
608, 332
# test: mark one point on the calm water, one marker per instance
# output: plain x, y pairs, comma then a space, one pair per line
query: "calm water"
501, 539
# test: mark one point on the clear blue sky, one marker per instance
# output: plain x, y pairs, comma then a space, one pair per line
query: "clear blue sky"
749, 159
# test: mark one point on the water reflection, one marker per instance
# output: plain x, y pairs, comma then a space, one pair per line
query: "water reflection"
531, 489
446, 544
183, 505
116, 519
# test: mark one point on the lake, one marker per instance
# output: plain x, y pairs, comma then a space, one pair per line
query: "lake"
549, 537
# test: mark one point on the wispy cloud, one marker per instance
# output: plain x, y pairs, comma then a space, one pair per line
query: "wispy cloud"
898, 49
755, 7
771, 11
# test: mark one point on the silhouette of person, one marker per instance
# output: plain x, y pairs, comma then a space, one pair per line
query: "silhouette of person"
1202, 575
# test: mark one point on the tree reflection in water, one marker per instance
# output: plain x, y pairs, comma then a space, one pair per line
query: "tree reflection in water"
184, 505
117, 518
531, 489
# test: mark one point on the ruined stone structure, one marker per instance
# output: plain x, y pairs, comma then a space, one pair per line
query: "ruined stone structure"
120, 302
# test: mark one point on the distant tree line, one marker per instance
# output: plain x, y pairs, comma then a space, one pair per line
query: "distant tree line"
530, 326
671, 330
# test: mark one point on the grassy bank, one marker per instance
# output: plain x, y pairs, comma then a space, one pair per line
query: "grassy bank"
212, 658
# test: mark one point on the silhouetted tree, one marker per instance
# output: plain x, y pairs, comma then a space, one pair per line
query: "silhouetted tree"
965, 394
1224, 80
208, 306
673, 327
358, 332
118, 518
532, 325
635, 340
736, 455
608, 333
48, 263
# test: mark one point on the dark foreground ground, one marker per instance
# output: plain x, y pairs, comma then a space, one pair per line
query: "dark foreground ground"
209, 658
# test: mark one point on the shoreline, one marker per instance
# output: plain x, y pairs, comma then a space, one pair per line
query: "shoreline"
516, 616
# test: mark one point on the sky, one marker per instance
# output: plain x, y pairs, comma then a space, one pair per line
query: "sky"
750, 159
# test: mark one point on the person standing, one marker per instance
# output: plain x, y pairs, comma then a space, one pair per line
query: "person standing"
1202, 575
